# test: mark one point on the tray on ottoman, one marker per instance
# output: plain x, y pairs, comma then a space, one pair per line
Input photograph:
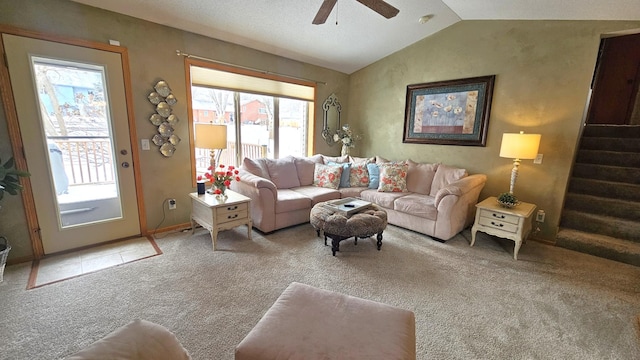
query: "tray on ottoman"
348, 205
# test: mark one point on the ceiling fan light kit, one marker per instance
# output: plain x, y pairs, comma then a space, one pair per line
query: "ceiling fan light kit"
379, 6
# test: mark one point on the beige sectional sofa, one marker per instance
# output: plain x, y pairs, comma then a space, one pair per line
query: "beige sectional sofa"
433, 199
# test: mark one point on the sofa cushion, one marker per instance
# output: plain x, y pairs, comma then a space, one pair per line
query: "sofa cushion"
420, 177
384, 199
359, 160
318, 194
393, 177
444, 176
305, 167
140, 339
283, 172
374, 175
344, 177
290, 200
351, 191
417, 205
359, 175
380, 160
338, 159
257, 167
327, 176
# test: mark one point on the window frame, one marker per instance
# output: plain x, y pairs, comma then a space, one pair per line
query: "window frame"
189, 62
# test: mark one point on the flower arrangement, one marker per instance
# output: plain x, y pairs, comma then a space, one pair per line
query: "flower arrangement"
346, 136
221, 179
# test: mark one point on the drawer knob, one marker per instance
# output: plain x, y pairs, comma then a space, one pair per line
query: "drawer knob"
232, 216
498, 225
232, 207
499, 216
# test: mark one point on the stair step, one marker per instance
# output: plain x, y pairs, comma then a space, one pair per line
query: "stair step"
603, 206
605, 172
599, 245
602, 188
610, 144
599, 224
614, 158
619, 131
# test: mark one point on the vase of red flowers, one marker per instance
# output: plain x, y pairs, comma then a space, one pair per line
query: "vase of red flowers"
221, 180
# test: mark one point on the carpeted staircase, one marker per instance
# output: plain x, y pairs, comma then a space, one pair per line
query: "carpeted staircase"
601, 215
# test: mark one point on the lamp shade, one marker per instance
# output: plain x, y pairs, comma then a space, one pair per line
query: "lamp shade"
520, 146
209, 136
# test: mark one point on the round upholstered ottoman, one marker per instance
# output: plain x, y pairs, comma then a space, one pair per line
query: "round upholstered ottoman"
337, 226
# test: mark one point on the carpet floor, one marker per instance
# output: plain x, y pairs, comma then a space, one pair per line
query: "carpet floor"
470, 302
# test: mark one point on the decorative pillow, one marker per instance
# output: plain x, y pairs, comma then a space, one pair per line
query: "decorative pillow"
445, 175
327, 176
305, 167
374, 175
420, 176
393, 177
359, 175
344, 178
283, 172
257, 167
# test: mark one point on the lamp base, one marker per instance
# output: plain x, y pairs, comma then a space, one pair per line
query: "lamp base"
514, 175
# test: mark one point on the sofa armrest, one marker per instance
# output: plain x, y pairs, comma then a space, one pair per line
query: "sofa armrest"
456, 205
460, 187
263, 194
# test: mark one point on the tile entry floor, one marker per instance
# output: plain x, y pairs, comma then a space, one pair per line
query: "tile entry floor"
64, 266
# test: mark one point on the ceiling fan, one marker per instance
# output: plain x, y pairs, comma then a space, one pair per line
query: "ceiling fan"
378, 6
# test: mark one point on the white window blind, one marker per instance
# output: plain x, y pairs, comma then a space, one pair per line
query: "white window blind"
201, 76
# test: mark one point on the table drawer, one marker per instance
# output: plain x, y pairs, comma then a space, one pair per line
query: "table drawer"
231, 213
498, 224
496, 215
222, 211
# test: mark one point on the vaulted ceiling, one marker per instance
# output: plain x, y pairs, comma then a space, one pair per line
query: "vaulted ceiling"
354, 36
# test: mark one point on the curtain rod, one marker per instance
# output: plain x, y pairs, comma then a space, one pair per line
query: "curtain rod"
180, 53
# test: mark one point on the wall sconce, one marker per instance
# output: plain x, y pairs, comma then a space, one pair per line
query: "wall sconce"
212, 137
519, 147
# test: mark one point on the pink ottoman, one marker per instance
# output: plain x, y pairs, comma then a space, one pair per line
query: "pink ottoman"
310, 323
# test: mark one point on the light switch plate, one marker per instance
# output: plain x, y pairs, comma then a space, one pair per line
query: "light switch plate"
145, 144
538, 159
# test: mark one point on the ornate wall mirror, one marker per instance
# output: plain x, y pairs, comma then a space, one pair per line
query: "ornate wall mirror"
331, 123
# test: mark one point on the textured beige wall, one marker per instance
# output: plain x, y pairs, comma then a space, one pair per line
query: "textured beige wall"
543, 71
152, 57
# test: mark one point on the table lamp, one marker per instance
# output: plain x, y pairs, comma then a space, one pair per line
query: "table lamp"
518, 147
212, 137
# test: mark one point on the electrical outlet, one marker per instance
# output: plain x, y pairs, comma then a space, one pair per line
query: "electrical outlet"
145, 144
538, 159
540, 216
172, 204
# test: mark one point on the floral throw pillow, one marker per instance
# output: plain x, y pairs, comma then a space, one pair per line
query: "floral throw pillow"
393, 177
359, 175
327, 176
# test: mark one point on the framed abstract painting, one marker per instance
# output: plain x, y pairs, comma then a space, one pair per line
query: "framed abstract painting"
452, 112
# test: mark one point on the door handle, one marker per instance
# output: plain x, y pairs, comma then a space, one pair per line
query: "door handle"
125, 164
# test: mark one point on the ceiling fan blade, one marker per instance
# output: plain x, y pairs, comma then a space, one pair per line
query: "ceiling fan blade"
324, 11
380, 7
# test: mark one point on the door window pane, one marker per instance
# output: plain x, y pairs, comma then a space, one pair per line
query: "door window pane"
77, 125
292, 127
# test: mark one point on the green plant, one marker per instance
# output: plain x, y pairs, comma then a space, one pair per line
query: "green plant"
10, 178
507, 198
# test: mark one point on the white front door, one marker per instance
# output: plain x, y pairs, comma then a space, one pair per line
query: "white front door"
72, 112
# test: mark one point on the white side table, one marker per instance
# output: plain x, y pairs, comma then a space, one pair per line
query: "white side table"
513, 224
217, 216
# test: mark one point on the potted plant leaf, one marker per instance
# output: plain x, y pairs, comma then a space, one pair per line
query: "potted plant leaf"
10, 183
508, 200
10, 178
